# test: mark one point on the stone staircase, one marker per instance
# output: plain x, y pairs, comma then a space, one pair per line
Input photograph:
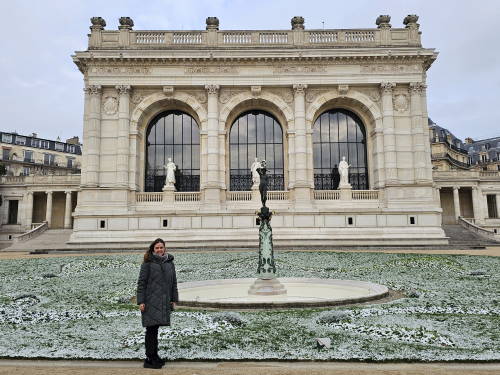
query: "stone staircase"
51, 239
460, 237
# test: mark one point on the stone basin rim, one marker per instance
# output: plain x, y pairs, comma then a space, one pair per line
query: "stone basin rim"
376, 291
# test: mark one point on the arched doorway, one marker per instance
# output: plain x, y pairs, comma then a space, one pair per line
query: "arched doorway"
254, 134
338, 133
175, 135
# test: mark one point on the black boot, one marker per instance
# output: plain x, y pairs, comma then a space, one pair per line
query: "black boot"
152, 363
159, 359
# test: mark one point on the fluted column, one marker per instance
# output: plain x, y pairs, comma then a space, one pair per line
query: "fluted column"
302, 187
93, 136
456, 202
29, 209
212, 182
122, 165
390, 157
67, 211
48, 212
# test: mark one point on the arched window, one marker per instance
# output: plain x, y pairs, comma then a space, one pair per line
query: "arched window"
339, 133
255, 134
174, 135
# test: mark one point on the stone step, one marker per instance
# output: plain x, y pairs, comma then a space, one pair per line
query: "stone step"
459, 235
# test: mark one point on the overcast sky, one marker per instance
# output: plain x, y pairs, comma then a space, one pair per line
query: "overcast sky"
41, 88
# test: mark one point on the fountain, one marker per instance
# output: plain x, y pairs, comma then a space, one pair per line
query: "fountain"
266, 291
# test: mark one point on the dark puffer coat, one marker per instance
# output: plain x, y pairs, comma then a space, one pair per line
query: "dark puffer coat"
157, 288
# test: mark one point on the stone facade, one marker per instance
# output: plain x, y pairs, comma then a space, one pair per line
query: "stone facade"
40, 183
295, 76
467, 176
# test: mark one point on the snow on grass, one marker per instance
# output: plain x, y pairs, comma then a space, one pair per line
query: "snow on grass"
74, 307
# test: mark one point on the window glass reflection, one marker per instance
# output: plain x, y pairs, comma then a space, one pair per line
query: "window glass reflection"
174, 135
339, 133
263, 138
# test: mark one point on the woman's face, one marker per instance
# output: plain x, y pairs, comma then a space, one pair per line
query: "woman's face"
159, 249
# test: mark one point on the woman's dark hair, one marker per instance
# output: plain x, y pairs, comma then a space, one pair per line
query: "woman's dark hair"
149, 252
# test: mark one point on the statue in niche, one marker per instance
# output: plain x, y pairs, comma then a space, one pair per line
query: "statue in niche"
171, 168
344, 173
262, 170
255, 174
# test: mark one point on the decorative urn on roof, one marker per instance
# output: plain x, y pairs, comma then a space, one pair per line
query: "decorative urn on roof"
297, 23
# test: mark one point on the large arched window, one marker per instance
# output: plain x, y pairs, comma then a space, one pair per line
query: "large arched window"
175, 135
255, 134
339, 133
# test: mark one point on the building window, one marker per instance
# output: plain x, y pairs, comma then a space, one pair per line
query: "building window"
20, 140
48, 159
339, 133
44, 144
255, 134
483, 158
35, 142
174, 135
7, 138
492, 206
71, 162
5, 153
71, 148
59, 146
26, 171
28, 156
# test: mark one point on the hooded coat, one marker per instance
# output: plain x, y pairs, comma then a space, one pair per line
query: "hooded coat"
157, 288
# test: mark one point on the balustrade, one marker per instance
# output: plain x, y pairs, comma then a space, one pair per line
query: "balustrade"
187, 38
323, 37
187, 196
237, 38
149, 38
239, 196
149, 197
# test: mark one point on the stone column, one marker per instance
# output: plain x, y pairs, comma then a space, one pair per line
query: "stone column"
67, 211
29, 209
212, 185
93, 136
498, 205
425, 127
476, 204
302, 187
390, 157
122, 165
456, 202
418, 135
86, 106
48, 212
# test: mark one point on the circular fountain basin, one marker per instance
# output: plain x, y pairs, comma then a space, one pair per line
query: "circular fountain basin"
300, 292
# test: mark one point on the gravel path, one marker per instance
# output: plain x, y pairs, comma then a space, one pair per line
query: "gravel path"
18, 367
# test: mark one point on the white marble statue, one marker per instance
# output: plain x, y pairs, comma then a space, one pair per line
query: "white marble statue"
255, 175
171, 168
344, 172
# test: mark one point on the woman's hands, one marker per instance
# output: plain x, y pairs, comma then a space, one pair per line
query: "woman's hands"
142, 307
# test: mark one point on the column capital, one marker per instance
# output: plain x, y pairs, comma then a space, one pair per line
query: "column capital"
123, 89
49, 192
67, 191
95, 89
386, 87
299, 89
212, 89
417, 87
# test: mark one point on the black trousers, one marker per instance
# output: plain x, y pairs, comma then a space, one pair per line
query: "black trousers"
151, 341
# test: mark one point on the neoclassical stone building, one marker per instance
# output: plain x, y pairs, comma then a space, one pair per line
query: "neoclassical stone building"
214, 100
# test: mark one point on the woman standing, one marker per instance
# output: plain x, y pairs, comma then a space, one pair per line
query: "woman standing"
156, 296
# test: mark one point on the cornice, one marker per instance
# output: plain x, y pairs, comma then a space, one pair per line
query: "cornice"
116, 58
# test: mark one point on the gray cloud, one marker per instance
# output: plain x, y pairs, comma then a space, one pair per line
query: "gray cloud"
42, 89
